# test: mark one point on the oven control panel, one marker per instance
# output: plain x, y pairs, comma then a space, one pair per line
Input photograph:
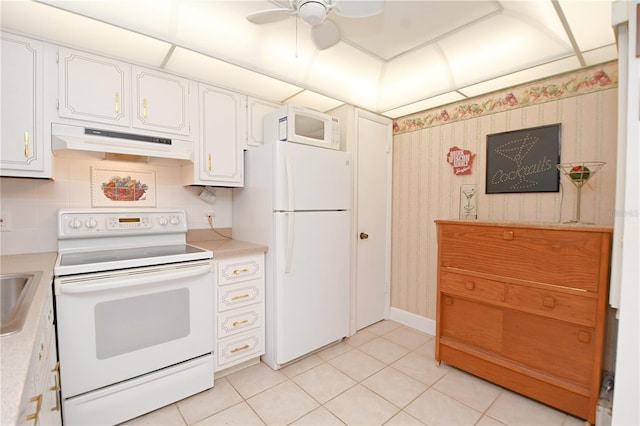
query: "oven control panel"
96, 222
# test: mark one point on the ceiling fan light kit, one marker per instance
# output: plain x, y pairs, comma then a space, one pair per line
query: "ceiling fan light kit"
312, 12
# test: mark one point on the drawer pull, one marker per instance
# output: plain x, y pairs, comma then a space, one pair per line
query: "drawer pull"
507, 235
549, 302
240, 271
242, 296
56, 389
584, 337
469, 285
237, 323
38, 401
241, 348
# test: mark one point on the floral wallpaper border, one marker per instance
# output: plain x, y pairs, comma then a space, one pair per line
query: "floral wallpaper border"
599, 77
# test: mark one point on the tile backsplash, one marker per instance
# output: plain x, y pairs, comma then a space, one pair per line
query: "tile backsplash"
31, 205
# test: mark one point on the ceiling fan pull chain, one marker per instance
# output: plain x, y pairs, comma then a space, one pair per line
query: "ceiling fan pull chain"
296, 18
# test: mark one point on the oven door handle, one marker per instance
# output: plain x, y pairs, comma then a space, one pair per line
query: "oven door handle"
111, 282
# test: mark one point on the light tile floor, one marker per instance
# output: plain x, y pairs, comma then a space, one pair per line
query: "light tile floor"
383, 375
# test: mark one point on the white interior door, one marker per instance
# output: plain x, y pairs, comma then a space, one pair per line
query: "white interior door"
373, 138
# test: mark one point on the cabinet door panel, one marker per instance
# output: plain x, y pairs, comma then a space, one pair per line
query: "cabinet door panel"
256, 110
557, 348
475, 324
222, 117
93, 88
161, 101
22, 140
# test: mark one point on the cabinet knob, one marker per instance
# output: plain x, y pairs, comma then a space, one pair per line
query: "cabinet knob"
549, 302
469, 285
507, 235
584, 337
448, 300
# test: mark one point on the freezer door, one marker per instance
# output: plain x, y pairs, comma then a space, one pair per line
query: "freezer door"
311, 282
310, 178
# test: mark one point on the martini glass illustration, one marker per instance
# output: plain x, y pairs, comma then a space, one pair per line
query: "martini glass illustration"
579, 173
517, 151
469, 193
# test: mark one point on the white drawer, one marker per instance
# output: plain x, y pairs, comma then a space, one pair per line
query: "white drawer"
238, 321
241, 268
237, 349
241, 294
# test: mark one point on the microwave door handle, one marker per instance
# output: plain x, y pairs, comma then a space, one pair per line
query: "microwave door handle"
109, 283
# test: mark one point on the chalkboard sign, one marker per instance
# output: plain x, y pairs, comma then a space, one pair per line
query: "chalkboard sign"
524, 160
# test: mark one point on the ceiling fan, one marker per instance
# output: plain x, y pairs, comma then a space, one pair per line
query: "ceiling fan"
324, 32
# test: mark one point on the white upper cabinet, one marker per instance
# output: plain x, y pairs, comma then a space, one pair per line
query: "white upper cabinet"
256, 110
93, 88
162, 101
24, 151
104, 90
218, 157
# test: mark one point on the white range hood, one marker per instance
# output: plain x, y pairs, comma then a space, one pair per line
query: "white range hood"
94, 139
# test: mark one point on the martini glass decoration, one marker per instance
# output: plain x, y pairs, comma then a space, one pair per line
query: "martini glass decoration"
579, 174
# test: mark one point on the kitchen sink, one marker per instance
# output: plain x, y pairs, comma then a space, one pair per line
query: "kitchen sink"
16, 294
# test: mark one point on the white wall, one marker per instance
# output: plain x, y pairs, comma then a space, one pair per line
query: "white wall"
30, 205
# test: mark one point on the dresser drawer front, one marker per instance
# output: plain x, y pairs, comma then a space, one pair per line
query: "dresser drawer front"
567, 307
239, 321
560, 257
242, 294
476, 288
240, 269
240, 348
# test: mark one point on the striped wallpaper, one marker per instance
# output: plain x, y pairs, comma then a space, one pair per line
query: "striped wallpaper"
425, 188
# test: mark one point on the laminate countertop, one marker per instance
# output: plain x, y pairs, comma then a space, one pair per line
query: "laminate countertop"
228, 247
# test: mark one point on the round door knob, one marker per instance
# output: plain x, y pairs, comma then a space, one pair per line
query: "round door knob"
364, 236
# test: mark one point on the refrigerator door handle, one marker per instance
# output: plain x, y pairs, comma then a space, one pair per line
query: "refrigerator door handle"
289, 168
289, 251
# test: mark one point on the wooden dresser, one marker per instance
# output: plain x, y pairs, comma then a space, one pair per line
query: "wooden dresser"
523, 306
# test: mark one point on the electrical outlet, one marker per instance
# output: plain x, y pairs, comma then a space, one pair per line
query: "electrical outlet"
209, 214
5, 222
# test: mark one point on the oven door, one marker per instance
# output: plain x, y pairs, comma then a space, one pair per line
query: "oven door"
113, 326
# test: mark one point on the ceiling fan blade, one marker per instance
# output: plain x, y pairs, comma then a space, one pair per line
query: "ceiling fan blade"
325, 35
270, 15
358, 8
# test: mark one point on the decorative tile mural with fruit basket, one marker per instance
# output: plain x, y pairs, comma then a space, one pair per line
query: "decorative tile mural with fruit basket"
112, 187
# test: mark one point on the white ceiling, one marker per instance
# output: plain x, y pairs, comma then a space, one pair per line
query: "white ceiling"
414, 56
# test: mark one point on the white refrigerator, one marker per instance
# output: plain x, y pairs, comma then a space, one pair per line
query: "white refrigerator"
296, 200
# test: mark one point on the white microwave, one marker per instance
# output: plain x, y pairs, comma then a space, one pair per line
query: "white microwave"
302, 125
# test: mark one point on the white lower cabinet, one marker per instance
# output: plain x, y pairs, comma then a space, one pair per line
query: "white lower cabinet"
239, 333
41, 397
